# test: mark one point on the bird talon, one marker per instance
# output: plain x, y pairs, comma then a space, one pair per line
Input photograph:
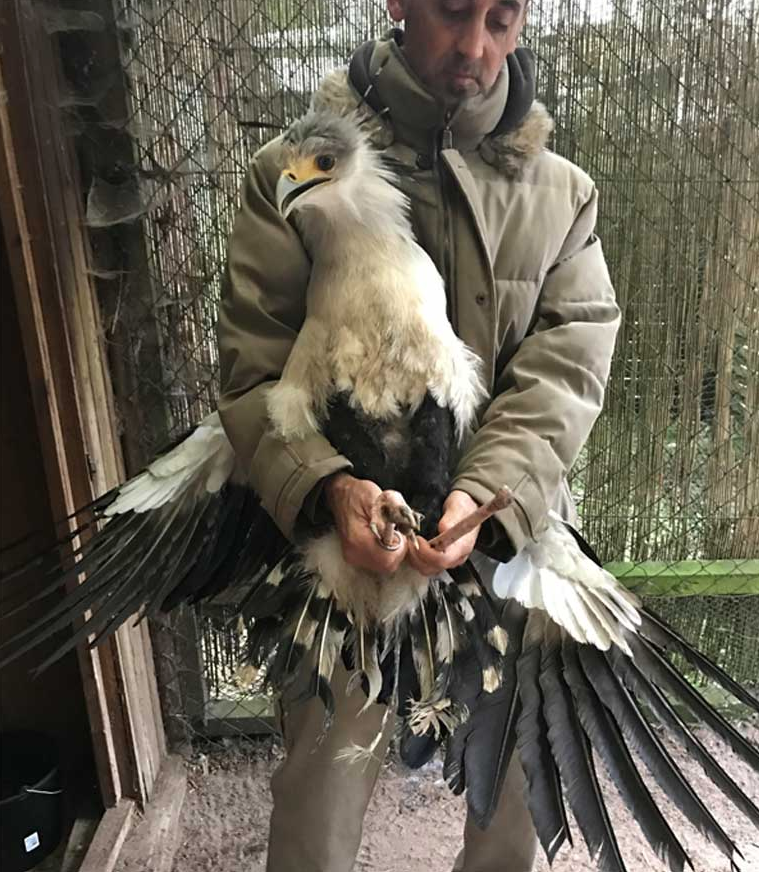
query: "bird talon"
391, 519
412, 537
383, 543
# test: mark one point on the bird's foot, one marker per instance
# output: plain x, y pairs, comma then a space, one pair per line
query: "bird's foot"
391, 518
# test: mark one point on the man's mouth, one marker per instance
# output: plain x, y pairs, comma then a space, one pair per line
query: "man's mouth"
464, 77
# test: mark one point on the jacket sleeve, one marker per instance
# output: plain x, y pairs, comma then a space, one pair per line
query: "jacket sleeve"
549, 394
262, 308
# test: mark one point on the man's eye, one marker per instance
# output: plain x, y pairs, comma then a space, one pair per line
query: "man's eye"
325, 162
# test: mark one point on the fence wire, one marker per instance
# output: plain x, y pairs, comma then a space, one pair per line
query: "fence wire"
657, 100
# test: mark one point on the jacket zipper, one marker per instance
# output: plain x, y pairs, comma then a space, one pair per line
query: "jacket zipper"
446, 141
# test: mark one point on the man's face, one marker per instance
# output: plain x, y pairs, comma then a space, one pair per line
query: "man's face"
458, 47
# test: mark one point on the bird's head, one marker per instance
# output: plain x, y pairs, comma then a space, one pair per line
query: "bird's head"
324, 154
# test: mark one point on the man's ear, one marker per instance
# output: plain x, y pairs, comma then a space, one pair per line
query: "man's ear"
397, 9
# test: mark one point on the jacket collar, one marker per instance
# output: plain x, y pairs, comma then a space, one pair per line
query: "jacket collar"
507, 126
418, 119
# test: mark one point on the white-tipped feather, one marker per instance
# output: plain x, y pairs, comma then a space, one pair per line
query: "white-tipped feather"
373, 676
499, 639
425, 660
491, 679
202, 462
554, 574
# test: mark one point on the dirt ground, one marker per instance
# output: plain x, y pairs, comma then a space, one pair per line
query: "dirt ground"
414, 823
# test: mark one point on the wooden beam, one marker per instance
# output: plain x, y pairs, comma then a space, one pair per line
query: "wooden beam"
689, 577
105, 848
153, 842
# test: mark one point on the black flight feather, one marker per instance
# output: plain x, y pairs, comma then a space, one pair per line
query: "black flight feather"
483, 745
104, 552
488, 747
661, 634
607, 740
667, 715
571, 750
645, 742
465, 687
544, 797
662, 673
198, 558
263, 636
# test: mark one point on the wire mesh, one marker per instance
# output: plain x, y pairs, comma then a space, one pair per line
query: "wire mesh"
658, 101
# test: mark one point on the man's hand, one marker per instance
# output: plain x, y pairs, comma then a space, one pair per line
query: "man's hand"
350, 500
427, 560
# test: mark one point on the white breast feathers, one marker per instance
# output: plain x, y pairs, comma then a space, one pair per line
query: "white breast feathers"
376, 329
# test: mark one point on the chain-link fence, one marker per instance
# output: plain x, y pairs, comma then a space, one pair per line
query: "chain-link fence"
658, 101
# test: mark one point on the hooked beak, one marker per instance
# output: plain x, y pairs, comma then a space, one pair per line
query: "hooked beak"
289, 190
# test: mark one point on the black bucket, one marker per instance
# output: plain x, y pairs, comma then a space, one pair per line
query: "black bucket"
31, 801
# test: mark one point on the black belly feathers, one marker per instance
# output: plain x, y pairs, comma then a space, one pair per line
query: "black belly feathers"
413, 454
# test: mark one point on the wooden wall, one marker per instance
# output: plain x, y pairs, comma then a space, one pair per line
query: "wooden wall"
68, 388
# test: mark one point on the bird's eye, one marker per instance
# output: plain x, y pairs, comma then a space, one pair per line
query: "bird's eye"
325, 162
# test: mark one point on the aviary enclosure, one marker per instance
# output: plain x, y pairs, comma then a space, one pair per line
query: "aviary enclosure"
657, 99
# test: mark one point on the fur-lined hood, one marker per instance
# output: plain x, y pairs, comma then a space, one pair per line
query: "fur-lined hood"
508, 128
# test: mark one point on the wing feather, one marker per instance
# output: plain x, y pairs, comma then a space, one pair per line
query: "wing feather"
179, 531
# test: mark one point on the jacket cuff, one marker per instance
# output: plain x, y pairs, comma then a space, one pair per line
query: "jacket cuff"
284, 484
514, 520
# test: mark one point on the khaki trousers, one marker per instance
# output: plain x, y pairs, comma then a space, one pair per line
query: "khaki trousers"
320, 802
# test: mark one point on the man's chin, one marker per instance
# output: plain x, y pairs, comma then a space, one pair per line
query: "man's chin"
462, 88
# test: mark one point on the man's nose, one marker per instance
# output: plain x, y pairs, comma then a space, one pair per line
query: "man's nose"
471, 42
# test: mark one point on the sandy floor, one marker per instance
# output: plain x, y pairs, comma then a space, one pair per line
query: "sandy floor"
414, 823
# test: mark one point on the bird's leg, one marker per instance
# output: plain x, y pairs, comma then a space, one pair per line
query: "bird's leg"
391, 517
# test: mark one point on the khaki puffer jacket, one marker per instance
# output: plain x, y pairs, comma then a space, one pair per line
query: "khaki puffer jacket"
509, 224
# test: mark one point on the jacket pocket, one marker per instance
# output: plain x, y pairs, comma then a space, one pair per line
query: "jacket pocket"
516, 306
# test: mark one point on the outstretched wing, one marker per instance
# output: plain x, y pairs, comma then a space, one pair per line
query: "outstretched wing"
588, 679
180, 531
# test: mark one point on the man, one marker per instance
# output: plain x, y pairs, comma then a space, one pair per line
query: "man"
511, 228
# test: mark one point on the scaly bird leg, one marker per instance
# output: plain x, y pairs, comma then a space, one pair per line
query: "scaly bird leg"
501, 500
391, 517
